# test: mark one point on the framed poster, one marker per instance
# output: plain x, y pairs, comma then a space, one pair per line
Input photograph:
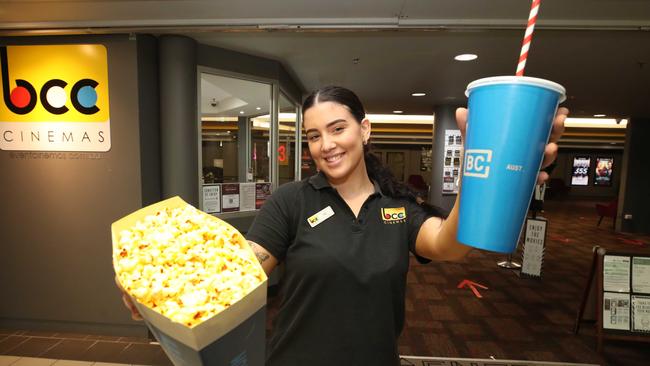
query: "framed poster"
580, 171
603, 171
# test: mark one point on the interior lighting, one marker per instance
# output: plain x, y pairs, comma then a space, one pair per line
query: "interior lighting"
241, 112
599, 115
258, 108
419, 94
595, 123
398, 112
466, 57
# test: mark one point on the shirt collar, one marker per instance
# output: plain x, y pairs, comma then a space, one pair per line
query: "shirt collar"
319, 181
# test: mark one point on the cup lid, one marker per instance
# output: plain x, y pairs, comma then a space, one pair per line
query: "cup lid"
525, 80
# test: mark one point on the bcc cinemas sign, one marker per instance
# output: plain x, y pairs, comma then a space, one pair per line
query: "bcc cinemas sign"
55, 98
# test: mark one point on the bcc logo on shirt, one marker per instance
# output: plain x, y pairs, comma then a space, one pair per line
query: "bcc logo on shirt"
393, 215
477, 163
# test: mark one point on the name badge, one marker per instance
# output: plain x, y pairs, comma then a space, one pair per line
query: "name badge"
321, 216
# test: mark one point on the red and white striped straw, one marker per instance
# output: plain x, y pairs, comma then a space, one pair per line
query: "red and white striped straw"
528, 37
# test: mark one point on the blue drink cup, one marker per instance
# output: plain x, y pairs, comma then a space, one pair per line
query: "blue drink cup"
508, 125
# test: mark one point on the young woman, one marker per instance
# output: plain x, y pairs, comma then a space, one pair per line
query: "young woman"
344, 236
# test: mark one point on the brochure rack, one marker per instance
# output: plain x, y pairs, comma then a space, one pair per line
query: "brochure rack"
622, 293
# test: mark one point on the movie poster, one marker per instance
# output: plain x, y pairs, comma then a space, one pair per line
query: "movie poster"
580, 173
603, 171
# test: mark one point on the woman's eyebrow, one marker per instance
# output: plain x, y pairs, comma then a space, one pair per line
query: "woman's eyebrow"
329, 124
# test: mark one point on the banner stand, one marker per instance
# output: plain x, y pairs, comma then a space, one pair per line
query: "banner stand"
509, 263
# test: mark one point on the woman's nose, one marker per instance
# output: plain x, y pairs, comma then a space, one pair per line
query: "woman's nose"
327, 143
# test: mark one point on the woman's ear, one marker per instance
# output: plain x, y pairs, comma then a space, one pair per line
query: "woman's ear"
365, 130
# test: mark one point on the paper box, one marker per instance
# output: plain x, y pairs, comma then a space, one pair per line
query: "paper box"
233, 337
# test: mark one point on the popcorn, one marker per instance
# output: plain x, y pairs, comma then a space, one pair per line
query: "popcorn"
185, 265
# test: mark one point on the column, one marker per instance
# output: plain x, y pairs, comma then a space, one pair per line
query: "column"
178, 118
444, 119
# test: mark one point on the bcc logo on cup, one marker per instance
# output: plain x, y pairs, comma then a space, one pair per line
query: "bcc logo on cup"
477, 163
55, 98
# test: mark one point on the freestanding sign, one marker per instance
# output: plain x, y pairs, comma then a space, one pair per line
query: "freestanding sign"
55, 98
534, 243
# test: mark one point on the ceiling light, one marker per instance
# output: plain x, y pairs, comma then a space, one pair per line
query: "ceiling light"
241, 112
398, 111
258, 108
599, 115
419, 94
466, 57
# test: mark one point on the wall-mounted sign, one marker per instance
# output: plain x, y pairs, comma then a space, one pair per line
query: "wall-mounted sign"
262, 193
451, 166
55, 98
230, 197
212, 198
580, 172
283, 153
603, 171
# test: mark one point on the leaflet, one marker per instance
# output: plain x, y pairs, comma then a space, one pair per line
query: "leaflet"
641, 274
616, 311
641, 313
616, 273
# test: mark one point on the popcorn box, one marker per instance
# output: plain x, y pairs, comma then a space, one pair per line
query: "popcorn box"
235, 336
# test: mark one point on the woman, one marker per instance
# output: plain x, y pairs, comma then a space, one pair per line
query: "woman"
345, 235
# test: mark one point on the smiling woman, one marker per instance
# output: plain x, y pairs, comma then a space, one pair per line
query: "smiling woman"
345, 235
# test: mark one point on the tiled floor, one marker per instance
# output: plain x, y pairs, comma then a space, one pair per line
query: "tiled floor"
32, 361
39, 348
517, 318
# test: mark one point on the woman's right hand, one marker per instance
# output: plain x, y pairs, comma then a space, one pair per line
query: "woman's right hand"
135, 314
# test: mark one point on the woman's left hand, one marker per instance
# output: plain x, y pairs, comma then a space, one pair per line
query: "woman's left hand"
550, 152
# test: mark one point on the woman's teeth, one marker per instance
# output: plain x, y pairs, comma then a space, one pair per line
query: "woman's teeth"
333, 158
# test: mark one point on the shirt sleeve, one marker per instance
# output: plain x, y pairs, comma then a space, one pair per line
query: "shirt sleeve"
416, 216
273, 226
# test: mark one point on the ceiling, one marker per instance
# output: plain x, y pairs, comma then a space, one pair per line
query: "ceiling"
387, 49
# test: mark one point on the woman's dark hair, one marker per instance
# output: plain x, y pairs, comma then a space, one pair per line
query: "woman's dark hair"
377, 171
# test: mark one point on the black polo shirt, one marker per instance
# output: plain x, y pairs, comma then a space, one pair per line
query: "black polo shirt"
342, 294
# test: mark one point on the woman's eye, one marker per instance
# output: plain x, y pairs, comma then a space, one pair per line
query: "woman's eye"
312, 137
339, 129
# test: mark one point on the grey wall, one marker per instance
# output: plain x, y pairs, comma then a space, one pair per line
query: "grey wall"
55, 267
242, 63
636, 197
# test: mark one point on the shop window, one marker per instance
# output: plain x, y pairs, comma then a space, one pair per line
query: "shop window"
235, 142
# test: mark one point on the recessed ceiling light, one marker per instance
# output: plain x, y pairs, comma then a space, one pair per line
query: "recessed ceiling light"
599, 115
241, 112
466, 57
398, 111
258, 108
418, 94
